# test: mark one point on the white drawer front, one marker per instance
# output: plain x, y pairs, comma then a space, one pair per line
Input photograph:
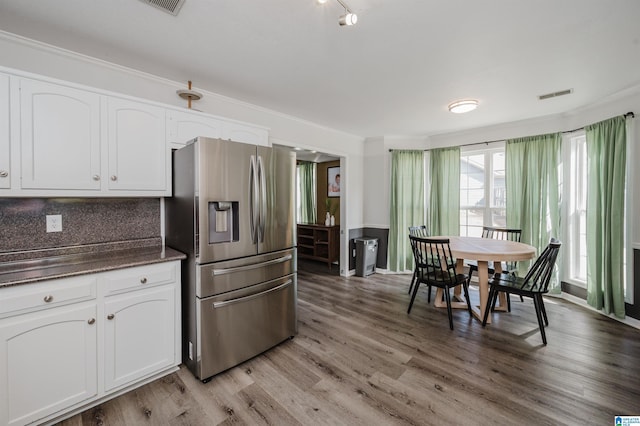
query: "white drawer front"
139, 277
31, 297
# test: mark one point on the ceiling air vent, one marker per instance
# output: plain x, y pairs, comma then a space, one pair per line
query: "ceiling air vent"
555, 94
169, 6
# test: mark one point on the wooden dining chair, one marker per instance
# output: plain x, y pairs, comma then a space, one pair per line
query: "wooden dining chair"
436, 267
534, 285
418, 231
511, 267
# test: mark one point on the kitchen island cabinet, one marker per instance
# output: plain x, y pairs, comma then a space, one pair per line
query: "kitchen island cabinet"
70, 343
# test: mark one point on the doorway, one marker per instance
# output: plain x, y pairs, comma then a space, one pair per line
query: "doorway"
318, 226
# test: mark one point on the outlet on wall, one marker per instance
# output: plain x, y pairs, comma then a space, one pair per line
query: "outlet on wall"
54, 223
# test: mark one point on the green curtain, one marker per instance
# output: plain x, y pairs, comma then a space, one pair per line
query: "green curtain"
606, 161
406, 205
307, 176
444, 194
533, 192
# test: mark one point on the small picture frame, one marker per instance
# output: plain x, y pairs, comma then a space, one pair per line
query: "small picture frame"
333, 181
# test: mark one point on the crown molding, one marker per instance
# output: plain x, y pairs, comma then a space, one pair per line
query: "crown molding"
49, 48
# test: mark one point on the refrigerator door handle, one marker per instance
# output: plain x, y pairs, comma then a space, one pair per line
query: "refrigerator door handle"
253, 186
252, 266
263, 199
252, 296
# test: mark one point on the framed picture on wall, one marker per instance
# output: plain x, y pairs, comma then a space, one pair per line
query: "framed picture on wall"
333, 182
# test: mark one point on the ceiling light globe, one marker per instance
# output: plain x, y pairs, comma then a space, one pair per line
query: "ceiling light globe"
321, 1
460, 107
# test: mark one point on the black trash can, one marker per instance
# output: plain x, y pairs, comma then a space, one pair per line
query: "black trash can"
366, 255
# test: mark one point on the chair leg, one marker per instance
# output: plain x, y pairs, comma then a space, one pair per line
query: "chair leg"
465, 286
544, 311
447, 297
490, 300
536, 304
413, 297
521, 299
509, 302
428, 294
413, 280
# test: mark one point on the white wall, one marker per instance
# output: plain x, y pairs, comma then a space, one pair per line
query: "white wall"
27, 55
377, 176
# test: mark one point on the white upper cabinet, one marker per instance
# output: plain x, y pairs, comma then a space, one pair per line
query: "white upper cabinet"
184, 126
138, 158
245, 133
5, 141
59, 137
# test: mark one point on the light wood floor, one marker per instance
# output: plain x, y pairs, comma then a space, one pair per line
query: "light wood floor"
360, 359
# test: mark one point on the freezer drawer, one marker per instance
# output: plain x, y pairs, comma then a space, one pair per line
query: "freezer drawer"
239, 325
221, 277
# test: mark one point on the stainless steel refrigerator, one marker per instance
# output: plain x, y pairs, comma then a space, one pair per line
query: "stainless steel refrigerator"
232, 213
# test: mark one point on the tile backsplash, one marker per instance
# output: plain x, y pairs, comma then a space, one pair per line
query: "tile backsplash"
85, 221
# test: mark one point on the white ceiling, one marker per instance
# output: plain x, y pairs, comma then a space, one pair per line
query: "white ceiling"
391, 74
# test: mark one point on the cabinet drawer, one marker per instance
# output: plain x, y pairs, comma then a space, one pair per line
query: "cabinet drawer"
139, 277
31, 297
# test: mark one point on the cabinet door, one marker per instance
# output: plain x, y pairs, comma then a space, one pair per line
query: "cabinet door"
137, 149
60, 137
244, 133
47, 362
184, 126
5, 169
139, 335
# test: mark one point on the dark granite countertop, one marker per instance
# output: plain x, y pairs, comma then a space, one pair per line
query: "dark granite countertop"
28, 267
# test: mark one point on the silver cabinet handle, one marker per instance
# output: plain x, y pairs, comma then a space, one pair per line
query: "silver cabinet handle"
4, 173
48, 298
114, 178
143, 280
110, 316
91, 321
96, 177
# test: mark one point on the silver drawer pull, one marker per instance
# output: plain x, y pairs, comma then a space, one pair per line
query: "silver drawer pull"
91, 321
114, 178
110, 316
4, 173
48, 298
217, 305
143, 280
96, 177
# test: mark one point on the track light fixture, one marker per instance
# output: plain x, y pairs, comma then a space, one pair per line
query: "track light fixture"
349, 18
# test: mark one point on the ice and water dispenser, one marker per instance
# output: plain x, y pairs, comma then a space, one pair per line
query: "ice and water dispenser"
223, 222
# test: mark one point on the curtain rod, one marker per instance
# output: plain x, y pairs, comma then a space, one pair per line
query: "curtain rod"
627, 115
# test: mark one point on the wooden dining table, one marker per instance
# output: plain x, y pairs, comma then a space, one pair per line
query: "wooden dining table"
483, 251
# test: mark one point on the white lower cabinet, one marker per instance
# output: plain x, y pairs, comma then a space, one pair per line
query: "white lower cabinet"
47, 362
71, 343
139, 335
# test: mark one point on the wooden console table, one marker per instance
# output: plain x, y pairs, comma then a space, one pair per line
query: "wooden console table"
319, 242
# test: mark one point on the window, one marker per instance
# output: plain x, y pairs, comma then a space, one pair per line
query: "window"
577, 207
576, 272
482, 190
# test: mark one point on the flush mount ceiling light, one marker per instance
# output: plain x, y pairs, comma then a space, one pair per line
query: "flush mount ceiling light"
462, 106
349, 18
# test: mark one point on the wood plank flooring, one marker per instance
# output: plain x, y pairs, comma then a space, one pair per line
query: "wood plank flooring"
359, 359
